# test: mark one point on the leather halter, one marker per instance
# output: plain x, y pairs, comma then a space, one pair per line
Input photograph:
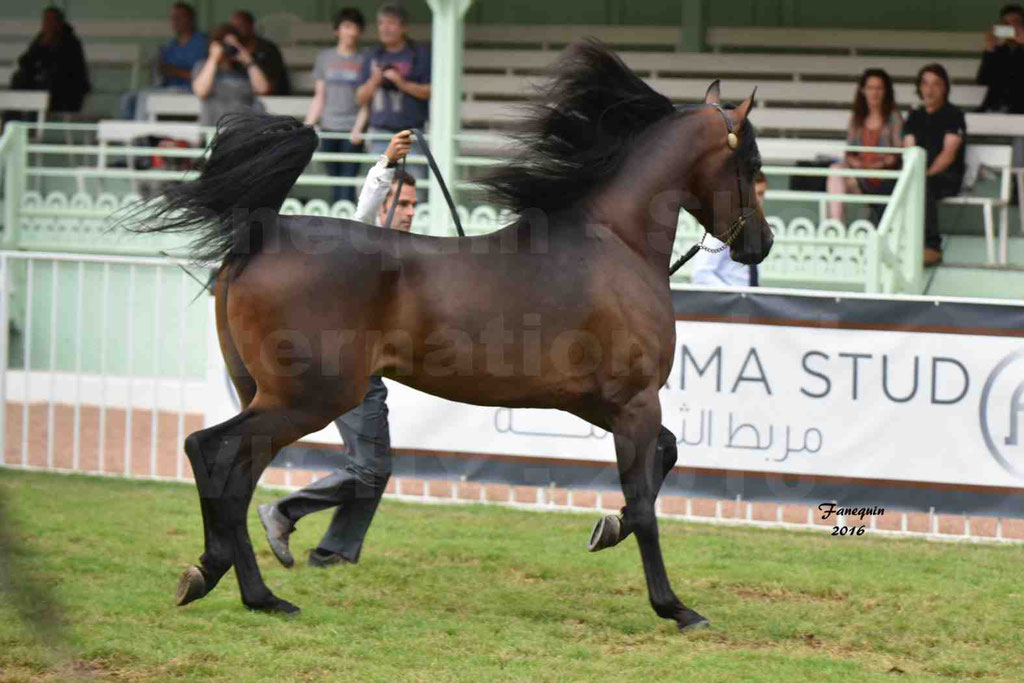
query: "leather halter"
732, 140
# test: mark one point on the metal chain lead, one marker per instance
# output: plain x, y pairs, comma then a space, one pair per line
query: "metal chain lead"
731, 237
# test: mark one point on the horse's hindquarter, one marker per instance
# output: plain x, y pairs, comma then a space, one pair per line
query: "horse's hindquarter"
307, 312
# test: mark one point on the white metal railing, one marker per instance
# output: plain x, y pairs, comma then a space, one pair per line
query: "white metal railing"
884, 258
809, 252
892, 251
103, 363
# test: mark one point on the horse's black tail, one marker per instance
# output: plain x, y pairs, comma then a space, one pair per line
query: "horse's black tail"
245, 176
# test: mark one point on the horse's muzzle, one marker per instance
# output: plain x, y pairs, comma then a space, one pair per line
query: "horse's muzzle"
751, 249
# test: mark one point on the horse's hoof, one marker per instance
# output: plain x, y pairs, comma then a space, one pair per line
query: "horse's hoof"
606, 533
691, 621
191, 586
273, 605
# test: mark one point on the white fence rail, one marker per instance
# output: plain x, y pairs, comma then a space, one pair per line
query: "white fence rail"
69, 208
103, 363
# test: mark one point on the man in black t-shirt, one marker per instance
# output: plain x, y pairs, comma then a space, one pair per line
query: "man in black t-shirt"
265, 53
939, 127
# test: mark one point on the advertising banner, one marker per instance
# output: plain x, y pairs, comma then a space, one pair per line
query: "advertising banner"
872, 389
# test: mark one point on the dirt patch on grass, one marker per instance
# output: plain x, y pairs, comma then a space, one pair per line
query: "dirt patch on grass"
782, 594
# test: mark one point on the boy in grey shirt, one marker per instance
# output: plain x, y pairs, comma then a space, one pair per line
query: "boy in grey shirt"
336, 74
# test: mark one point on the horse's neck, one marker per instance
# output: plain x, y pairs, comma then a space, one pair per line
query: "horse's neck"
641, 203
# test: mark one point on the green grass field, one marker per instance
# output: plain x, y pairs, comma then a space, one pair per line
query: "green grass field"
476, 593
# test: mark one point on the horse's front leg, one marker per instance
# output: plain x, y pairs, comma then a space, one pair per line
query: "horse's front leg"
641, 471
610, 530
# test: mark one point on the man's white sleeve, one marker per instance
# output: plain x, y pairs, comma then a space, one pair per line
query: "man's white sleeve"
375, 191
707, 268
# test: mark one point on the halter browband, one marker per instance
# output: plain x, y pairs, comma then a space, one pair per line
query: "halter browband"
730, 139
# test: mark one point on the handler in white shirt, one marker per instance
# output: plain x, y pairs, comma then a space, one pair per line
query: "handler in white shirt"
378, 189
354, 489
718, 268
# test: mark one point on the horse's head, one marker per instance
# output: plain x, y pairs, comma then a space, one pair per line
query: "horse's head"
723, 183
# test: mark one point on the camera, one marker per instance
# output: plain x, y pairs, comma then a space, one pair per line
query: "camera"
388, 84
1004, 32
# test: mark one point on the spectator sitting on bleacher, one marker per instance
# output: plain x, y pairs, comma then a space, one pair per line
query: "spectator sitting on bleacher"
395, 82
229, 79
940, 128
175, 62
54, 61
875, 122
717, 268
1002, 70
264, 52
336, 74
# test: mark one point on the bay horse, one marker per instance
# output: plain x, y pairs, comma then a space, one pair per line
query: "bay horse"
567, 307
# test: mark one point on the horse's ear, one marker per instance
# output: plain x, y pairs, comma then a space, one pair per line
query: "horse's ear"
711, 96
744, 108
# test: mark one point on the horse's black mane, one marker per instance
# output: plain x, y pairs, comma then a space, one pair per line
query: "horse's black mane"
589, 115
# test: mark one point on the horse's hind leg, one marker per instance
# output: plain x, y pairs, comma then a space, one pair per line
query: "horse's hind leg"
227, 460
610, 530
218, 555
641, 470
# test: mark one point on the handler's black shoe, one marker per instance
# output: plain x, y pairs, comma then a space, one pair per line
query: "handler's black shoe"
278, 529
324, 558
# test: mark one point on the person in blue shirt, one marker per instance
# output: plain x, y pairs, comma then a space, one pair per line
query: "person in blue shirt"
718, 268
395, 82
177, 58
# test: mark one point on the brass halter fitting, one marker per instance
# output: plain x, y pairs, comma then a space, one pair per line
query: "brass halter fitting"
733, 141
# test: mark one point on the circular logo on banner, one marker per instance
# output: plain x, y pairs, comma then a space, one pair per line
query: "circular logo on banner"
1001, 412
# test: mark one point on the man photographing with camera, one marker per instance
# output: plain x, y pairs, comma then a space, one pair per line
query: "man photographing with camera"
1002, 63
1002, 69
395, 83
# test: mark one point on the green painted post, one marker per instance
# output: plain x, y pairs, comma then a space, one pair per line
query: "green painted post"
14, 181
445, 100
691, 34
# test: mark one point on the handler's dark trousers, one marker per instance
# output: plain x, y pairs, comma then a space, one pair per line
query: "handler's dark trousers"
356, 488
937, 187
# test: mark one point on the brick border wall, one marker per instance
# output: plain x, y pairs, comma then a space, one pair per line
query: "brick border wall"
165, 461
894, 523
942, 527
